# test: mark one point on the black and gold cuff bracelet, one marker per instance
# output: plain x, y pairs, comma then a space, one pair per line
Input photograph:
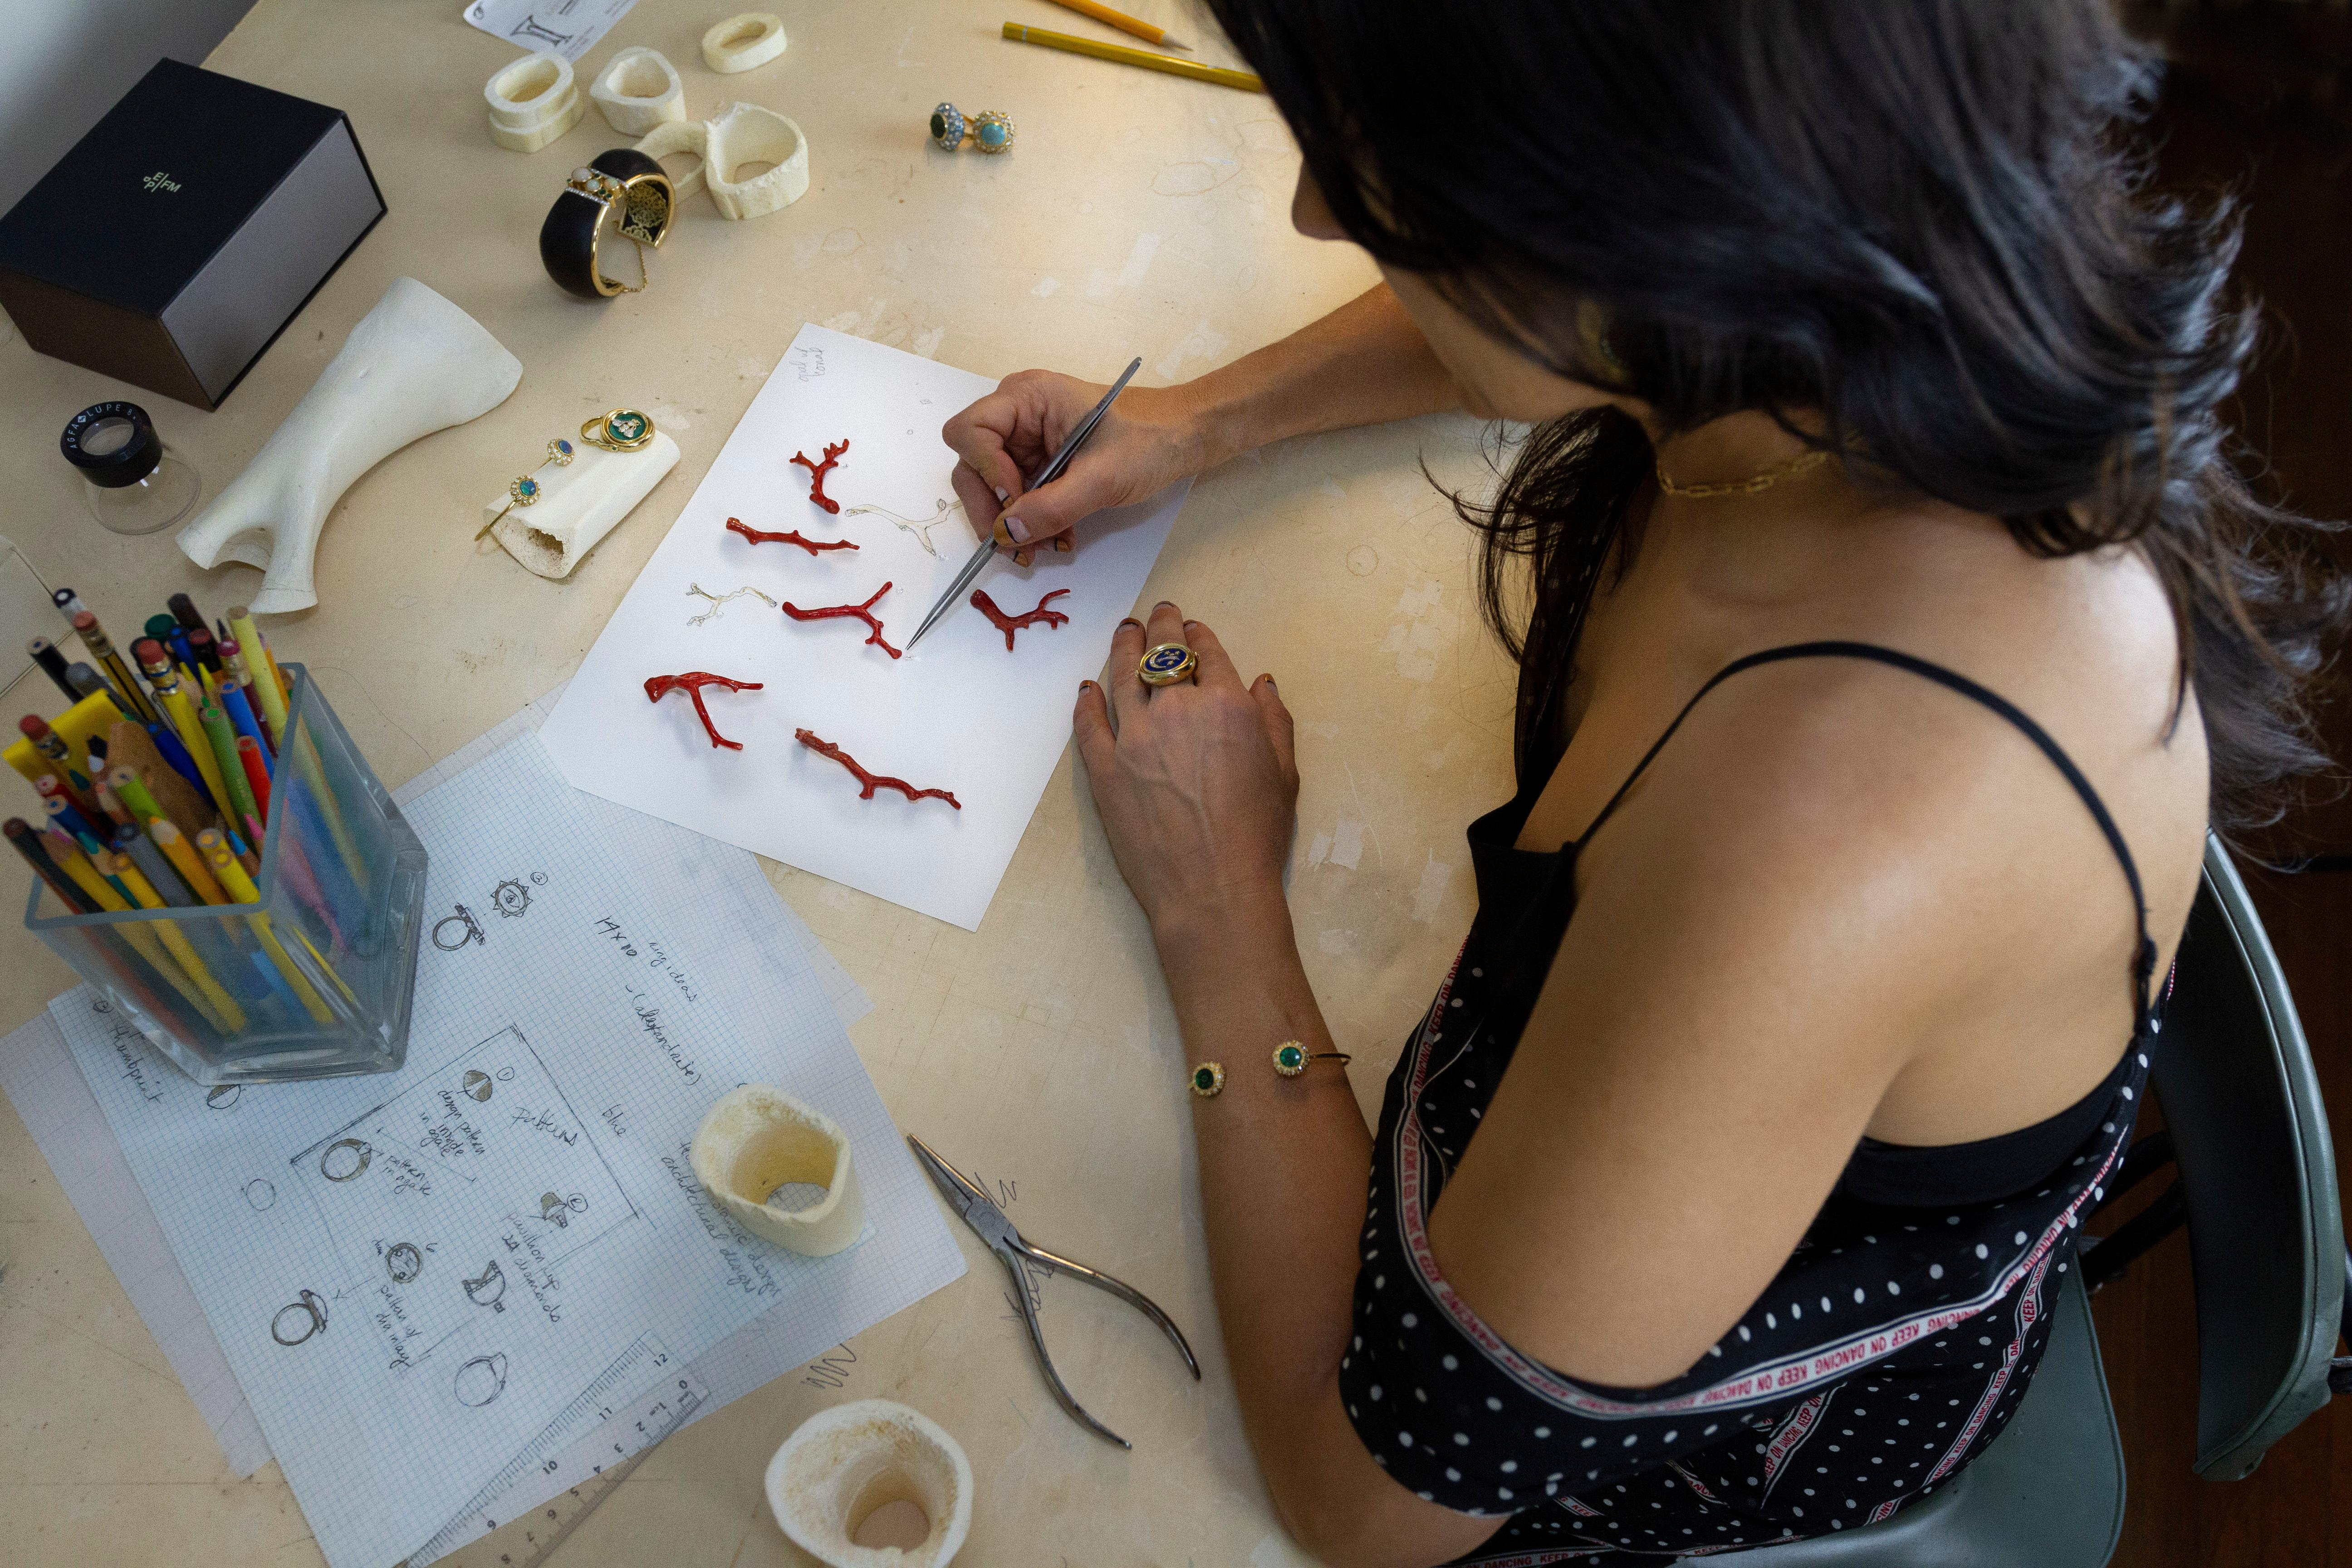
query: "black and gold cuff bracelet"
623, 182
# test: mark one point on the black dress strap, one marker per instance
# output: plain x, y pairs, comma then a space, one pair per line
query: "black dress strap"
2144, 957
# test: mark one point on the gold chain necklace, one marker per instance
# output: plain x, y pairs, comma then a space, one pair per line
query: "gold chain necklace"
1747, 487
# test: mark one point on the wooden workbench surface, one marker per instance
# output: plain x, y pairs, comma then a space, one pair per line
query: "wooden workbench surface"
1139, 214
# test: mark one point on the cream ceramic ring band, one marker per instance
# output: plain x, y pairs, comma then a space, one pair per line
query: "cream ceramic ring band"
745, 134
757, 1139
844, 1463
742, 43
532, 101
637, 90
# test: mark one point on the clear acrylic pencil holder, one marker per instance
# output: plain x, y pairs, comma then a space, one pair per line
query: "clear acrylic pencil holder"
314, 980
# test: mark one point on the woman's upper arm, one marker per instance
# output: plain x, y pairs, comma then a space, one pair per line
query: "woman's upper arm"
1757, 938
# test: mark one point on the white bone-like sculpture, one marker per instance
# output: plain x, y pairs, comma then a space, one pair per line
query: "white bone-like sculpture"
637, 90
741, 43
745, 134
415, 364
532, 101
844, 1463
578, 504
757, 1139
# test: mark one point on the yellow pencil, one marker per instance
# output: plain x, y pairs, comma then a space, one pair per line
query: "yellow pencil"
176, 708
184, 859
224, 1005
1022, 33
1125, 23
242, 889
86, 877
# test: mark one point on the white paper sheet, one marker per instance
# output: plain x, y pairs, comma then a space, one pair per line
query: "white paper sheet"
569, 28
711, 892
959, 712
595, 1062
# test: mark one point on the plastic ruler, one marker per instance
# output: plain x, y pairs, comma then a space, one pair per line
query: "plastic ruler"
586, 1471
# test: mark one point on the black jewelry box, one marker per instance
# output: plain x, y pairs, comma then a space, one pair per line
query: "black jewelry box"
178, 237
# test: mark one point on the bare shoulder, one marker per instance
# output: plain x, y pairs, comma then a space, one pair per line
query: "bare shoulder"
1843, 899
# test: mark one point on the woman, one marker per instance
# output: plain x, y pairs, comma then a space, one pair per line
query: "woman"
1891, 627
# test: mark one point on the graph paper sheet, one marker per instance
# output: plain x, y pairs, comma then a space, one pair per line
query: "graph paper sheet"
712, 892
961, 710
374, 1196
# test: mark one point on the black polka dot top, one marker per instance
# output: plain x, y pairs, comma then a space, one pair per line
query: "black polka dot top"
1888, 1351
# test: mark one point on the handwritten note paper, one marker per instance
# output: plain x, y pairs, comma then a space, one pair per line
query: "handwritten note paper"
961, 712
569, 28
414, 1274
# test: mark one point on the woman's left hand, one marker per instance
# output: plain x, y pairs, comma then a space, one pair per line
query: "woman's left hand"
1196, 782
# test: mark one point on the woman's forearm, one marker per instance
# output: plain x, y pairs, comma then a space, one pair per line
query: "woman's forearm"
1364, 363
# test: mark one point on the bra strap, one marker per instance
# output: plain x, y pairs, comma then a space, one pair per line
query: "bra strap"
2144, 957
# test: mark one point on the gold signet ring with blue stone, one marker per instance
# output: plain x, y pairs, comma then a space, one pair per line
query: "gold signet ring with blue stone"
1167, 664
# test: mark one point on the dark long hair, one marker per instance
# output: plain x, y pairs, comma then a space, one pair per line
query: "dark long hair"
1924, 219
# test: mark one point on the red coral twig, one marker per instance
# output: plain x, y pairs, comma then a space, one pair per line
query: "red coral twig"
1008, 625
691, 683
818, 472
872, 780
863, 612
758, 536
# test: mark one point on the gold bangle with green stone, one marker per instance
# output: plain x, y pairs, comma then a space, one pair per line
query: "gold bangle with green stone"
1209, 1079
1290, 1058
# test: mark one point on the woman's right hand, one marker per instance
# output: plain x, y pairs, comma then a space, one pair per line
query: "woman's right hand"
1149, 439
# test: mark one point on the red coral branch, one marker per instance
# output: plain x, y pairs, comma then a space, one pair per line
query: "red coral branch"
872, 780
691, 683
818, 472
737, 525
863, 612
1008, 625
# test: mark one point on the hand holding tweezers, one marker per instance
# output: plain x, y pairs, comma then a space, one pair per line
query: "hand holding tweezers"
989, 1221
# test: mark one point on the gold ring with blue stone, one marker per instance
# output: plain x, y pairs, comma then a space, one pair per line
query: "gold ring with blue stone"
1167, 664
993, 130
948, 127
618, 430
1208, 1080
1290, 1058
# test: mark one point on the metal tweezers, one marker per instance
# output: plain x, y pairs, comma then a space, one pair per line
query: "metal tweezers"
989, 1221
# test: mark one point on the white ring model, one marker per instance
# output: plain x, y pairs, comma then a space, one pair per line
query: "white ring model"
745, 134
415, 364
757, 1139
532, 101
742, 43
844, 1463
578, 505
637, 90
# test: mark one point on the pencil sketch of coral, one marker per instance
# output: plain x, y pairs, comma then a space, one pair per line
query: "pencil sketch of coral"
719, 601
920, 527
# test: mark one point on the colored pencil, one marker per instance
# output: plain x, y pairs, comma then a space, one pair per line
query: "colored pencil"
1142, 29
218, 731
93, 895
155, 868
186, 859
175, 942
266, 691
28, 844
242, 889
174, 697
240, 710
1020, 33
62, 813
256, 774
